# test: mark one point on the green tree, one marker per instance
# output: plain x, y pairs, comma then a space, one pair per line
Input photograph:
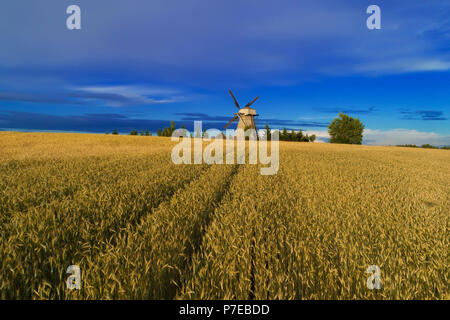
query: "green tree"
159, 133
292, 135
305, 138
185, 132
267, 132
198, 133
284, 134
171, 129
312, 138
114, 132
147, 133
346, 129
407, 145
429, 146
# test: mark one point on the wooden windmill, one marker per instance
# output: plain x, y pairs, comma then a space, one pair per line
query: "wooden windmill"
245, 115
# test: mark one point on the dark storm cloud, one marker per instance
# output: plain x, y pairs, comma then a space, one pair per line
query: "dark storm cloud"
110, 121
425, 115
212, 42
198, 48
34, 98
348, 110
260, 122
202, 116
83, 123
80, 97
191, 114
291, 124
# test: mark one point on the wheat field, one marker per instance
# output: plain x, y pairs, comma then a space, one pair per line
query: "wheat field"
141, 227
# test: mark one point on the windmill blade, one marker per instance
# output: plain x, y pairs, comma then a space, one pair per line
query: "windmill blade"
235, 101
251, 102
232, 120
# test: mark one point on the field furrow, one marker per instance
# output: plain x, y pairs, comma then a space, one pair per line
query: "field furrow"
225, 266
141, 227
312, 231
159, 250
102, 199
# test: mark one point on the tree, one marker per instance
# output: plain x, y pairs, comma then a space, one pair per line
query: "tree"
284, 134
172, 128
147, 133
134, 133
267, 132
159, 133
305, 138
184, 131
429, 146
346, 129
407, 145
312, 138
198, 133
114, 132
292, 135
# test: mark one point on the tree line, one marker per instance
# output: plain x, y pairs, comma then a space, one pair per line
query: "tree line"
425, 146
343, 129
291, 135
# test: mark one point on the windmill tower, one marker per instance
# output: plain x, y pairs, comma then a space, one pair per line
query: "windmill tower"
245, 115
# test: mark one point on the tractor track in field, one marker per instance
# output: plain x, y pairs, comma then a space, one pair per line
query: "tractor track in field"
200, 228
178, 257
132, 225
199, 232
251, 293
171, 192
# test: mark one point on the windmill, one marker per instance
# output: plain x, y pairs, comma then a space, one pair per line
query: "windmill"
245, 115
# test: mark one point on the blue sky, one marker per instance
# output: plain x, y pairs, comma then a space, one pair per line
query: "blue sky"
139, 64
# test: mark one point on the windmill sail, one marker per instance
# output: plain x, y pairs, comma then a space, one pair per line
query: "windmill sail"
251, 102
232, 120
234, 99
245, 115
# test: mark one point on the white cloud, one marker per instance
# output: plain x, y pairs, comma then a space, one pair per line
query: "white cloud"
129, 95
404, 66
130, 90
393, 137
321, 135
160, 41
403, 136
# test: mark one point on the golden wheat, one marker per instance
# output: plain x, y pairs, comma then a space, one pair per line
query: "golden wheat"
141, 227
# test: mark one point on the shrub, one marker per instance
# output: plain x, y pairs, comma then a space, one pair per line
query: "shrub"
346, 129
